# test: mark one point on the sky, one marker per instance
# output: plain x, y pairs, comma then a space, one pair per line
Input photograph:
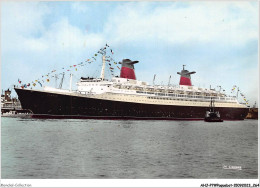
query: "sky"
218, 40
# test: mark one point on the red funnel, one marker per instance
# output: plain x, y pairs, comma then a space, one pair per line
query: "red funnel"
127, 69
185, 77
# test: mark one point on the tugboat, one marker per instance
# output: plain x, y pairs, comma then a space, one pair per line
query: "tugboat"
212, 115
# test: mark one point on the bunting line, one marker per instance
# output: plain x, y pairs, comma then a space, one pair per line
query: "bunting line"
46, 77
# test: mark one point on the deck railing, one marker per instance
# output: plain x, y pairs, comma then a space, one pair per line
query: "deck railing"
193, 97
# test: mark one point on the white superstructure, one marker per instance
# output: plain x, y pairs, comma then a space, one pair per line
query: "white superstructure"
135, 91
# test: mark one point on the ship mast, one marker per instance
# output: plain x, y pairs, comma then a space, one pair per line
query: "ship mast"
102, 75
61, 82
237, 92
169, 80
71, 82
56, 78
154, 78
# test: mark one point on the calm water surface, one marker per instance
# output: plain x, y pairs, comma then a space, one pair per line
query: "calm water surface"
80, 149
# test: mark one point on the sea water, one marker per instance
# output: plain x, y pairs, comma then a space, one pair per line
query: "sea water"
93, 149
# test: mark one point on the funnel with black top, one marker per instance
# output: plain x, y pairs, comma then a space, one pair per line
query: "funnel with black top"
127, 69
185, 77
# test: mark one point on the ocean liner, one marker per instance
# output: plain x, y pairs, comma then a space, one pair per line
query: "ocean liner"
125, 97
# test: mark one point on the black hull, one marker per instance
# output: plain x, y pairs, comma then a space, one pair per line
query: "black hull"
53, 105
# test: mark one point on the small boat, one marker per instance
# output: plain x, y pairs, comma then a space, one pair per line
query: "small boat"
212, 115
